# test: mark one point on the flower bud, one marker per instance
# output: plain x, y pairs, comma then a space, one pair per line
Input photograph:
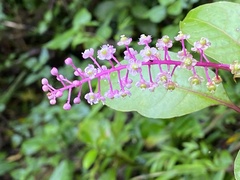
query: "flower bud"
217, 80
54, 71
170, 86
211, 86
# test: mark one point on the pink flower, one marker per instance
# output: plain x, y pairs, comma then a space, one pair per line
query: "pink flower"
126, 82
144, 40
181, 36
111, 94
164, 42
211, 86
188, 62
124, 93
182, 53
134, 67
129, 54
148, 53
88, 53
196, 79
124, 41
90, 71
54, 71
163, 77
68, 61
106, 52
67, 106
103, 68
44, 81
91, 98
143, 84
235, 68
170, 85
203, 44
78, 72
76, 100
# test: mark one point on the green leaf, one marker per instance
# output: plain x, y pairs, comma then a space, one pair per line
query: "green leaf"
32, 146
170, 30
79, 39
139, 10
5, 166
165, 2
63, 171
104, 32
82, 17
109, 174
161, 103
157, 14
237, 166
61, 41
175, 8
89, 158
219, 22
105, 9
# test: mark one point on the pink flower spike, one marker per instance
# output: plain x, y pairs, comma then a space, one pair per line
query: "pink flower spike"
68, 61
144, 40
124, 41
88, 53
106, 52
67, 106
54, 71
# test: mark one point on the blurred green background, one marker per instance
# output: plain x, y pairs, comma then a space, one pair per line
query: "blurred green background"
40, 142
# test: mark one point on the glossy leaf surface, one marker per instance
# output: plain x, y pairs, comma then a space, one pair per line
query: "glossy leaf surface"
219, 22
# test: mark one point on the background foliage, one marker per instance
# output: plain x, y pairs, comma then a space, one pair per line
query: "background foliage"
42, 142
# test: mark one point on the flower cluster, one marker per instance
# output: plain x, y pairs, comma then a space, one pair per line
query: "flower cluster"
148, 57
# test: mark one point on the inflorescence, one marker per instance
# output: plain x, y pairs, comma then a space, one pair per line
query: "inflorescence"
149, 56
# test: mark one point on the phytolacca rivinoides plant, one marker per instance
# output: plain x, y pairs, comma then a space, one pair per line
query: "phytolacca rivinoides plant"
132, 66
